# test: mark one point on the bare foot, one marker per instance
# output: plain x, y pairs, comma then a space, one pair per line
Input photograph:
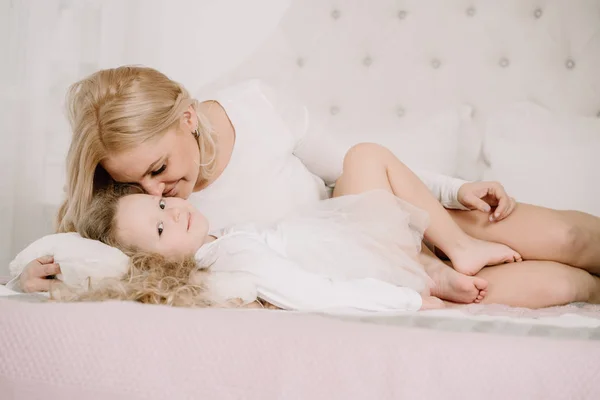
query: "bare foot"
452, 285
431, 303
469, 259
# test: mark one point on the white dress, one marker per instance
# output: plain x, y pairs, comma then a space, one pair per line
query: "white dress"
356, 252
281, 160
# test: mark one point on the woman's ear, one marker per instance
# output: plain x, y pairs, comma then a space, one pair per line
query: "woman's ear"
190, 118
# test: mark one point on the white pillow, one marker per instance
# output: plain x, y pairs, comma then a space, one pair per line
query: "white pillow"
444, 142
440, 143
79, 258
547, 159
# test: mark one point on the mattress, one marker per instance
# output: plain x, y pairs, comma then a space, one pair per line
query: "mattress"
122, 350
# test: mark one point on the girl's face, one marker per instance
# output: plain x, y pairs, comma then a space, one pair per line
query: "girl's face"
171, 227
167, 166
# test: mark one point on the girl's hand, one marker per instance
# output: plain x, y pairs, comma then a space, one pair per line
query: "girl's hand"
483, 196
39, 274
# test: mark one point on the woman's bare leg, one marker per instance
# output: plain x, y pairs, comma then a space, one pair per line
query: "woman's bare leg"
538, 233
537, 284
370, 166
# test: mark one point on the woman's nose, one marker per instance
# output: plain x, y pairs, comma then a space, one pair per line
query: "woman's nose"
153, 187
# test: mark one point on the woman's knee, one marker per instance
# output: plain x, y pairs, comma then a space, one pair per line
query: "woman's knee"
575, 287
562, 284
362, 152
569, 240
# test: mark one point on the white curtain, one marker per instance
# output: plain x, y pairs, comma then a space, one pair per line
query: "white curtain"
48, 44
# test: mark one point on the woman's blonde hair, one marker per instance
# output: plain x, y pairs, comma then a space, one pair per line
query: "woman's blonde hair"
115, 110
151, 278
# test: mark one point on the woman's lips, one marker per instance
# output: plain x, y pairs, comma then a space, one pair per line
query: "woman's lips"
171, 192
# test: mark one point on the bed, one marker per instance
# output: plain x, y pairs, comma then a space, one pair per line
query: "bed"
131, 351
511, 74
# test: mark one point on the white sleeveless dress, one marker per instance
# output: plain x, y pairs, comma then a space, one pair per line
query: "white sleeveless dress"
351, 252
370, 235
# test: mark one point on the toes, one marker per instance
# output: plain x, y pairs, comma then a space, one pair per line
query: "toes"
480, 284
516, 257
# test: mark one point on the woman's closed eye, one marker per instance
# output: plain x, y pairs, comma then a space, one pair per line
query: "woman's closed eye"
159, 171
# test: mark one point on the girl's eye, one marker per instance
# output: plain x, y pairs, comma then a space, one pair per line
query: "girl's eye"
160, 229
162, 204
159, 171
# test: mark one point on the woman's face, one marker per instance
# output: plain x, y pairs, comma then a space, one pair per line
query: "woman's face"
167, 166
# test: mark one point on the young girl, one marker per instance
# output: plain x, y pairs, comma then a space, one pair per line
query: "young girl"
360, 250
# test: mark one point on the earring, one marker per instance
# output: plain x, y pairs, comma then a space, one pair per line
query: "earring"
196, 133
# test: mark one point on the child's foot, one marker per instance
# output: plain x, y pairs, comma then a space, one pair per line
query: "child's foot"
431, 303
469, 259
453, 286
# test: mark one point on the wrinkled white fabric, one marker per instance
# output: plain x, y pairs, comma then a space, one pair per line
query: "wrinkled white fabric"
351, 253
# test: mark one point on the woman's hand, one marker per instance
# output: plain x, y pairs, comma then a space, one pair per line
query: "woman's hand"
38, 275
484, 196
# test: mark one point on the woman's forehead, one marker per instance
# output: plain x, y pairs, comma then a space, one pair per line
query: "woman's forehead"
134, 164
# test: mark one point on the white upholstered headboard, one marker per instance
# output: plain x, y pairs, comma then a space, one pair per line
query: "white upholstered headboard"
368, 67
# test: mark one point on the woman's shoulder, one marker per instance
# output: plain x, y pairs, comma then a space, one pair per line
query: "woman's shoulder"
216, 114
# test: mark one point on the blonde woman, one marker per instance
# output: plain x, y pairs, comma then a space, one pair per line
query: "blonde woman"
246, 156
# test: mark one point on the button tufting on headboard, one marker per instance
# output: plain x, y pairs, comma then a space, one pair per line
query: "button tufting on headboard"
64, 5
369, 68
570, 64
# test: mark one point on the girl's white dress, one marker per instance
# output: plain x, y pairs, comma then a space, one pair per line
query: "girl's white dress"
351, 253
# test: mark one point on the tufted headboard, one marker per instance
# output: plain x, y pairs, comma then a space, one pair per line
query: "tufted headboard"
369, 67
